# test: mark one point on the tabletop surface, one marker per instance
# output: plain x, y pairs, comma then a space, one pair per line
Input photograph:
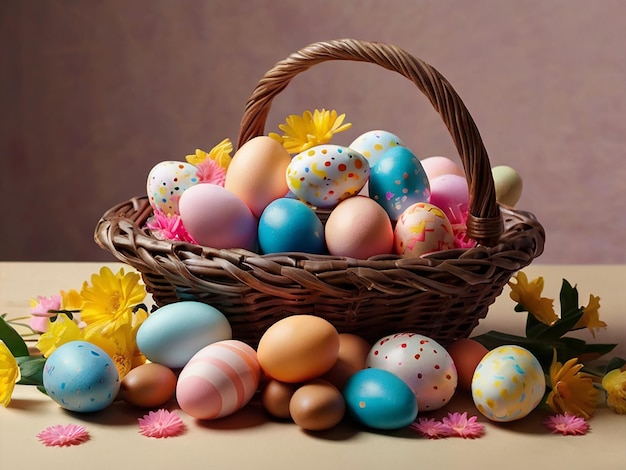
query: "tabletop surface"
249, 439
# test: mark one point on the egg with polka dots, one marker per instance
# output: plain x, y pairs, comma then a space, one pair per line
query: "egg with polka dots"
166, 183
325, 175
373, 144
421, 362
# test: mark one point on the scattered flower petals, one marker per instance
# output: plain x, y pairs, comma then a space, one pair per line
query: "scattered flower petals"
430, 428
161, 423
63, 436
567, 424
458, 424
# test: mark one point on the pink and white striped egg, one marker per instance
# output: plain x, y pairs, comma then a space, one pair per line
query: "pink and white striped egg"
218, 380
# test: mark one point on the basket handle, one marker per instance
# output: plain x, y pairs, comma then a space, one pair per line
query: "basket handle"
484, 223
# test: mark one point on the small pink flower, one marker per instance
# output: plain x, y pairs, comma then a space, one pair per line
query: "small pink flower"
168, 227
40, 311
430, 428
61, 436
458, 424
161, 423
209, 171
567, 424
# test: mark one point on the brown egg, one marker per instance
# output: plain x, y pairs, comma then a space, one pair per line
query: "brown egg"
353, 351
466, 353
317, 406
275, 398
148, 386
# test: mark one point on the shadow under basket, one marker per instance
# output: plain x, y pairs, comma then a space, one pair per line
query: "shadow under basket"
442, 295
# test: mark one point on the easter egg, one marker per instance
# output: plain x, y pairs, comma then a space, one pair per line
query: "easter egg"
353, 351
437, 165
290, 225
380, 399
373, 144
324, 175
166, 183
80, 376
421, 229
215, 217
172, 334
508, 383
397, 181
148, 385
218, 380
508, 185
466, 353
317, 405
450, 194
421, 362
256, 174
275, 398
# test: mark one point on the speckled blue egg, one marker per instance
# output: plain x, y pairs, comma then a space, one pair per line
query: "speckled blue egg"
398, 181
290, 225
81, 377
380, 399
172, 334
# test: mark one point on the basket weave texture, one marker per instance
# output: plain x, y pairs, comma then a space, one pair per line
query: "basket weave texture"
442, 295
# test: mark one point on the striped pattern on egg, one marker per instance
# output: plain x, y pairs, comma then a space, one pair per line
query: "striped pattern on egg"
218, 380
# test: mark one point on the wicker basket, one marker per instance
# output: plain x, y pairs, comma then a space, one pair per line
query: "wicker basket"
442, 295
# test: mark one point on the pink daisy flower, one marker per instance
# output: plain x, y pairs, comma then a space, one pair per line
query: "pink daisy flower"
458, 424
567, 424
430, 428
161, 423
61, 436
168, 227
40, 312
209, 171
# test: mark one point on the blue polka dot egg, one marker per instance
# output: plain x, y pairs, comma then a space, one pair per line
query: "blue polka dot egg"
81, 377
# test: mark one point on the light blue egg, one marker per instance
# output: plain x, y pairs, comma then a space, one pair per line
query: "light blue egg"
81, 377
380, 399
172, 334
290, 225
398, 181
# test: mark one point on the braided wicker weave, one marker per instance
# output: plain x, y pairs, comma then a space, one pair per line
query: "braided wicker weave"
442, 295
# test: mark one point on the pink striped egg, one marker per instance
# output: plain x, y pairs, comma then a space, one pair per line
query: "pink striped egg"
218, 380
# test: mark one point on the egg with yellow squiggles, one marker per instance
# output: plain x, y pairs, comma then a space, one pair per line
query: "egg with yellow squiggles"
325, 175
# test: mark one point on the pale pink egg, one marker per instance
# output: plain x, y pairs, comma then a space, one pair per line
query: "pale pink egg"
450, 194
437, 166
218, 380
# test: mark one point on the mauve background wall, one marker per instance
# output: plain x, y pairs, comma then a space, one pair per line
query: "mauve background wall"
94, 93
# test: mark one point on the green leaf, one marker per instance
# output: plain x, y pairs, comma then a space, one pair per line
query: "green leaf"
560, 327
31, 370
534, 328
12, 339
599, 348
569, 300
542, 350
615, 363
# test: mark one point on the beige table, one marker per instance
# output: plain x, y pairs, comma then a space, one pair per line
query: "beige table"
249, 440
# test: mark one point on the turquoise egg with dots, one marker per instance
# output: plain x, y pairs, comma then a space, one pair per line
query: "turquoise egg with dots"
81, 377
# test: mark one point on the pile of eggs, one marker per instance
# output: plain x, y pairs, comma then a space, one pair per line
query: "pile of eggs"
302, 370
380, 197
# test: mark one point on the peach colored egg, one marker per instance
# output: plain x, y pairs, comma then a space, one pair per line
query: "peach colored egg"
438, 165
359, 228
466, 354
148, 385
275, 398
317, 406
353, 351
298, 348
256, 173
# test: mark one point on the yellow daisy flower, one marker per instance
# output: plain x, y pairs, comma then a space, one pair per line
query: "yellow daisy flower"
591, 316
61, 331
529, 296
572, 391
9, 374
220, 153
615, 385
118, 344
110, 300
310, 129
71, 300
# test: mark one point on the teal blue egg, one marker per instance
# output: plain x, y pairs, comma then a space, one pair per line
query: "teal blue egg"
398, 181
380, 399
172, 334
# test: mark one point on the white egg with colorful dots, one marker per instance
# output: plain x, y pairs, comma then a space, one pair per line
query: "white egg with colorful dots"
166, 183
325, 175
373, 144
421, 362
508, 383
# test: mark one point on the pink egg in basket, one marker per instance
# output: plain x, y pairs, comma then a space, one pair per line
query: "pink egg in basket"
421, 229
451, 194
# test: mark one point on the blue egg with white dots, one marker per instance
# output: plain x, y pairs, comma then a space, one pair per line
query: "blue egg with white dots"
81, 377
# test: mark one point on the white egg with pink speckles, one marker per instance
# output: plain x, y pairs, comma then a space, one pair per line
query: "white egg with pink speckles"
421, 362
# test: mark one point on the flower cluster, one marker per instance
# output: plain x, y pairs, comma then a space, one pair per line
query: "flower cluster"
453, 425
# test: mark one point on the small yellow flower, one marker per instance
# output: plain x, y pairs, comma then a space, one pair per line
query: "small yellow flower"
61, 331
310, 129
529, 296
591, 316
118, 344
110, 300
572, 390
615, 385
220, 153
71, 300
9, 374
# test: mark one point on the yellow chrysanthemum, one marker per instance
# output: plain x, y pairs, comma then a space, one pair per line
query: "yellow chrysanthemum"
591, 316
220, 153
110, 300
118, 344
529, 296
310, 129
61, 331
71, 300
572, 390
9, 374
615, 385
